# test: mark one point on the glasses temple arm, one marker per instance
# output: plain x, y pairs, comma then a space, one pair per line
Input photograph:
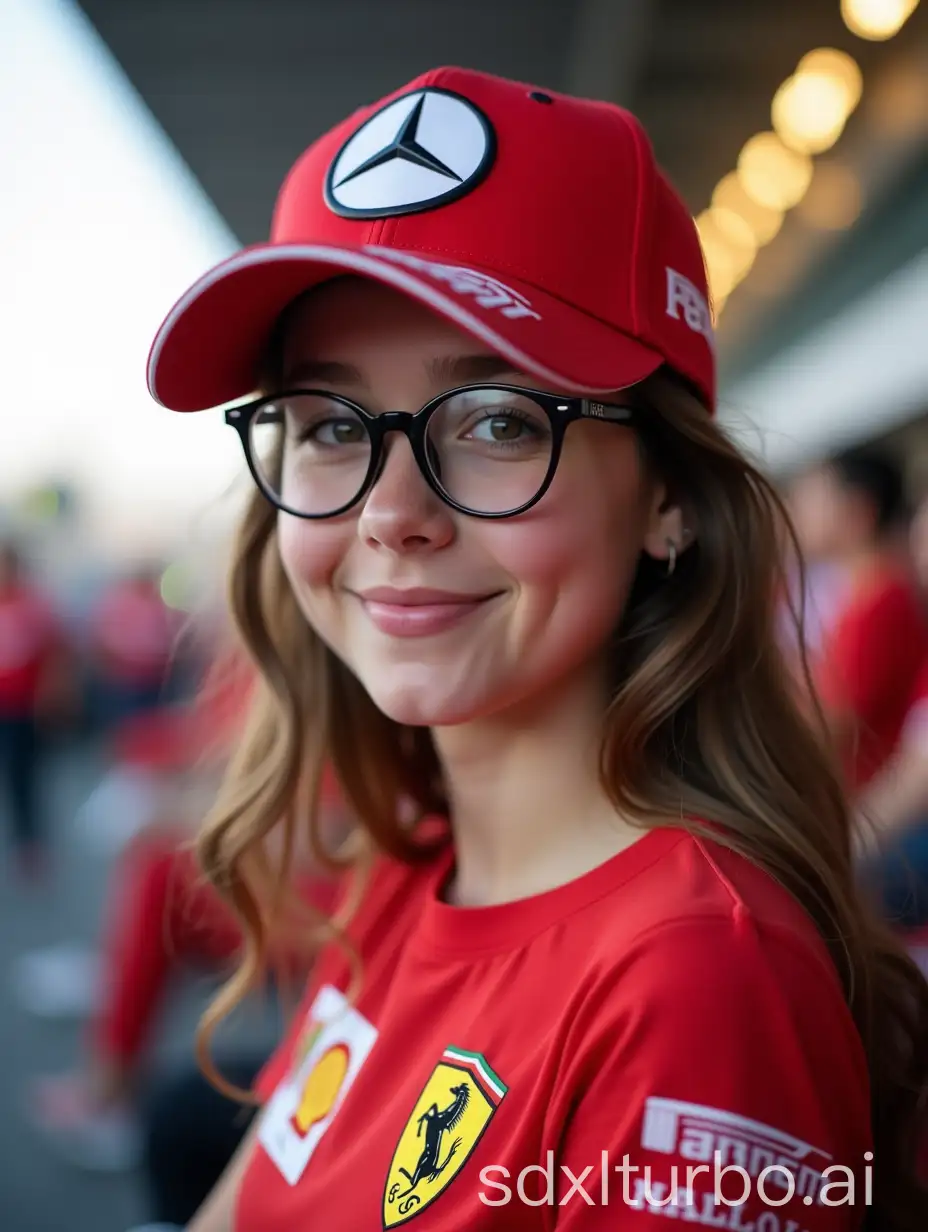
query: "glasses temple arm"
590, 409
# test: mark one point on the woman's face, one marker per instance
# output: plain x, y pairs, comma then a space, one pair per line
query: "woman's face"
517, 606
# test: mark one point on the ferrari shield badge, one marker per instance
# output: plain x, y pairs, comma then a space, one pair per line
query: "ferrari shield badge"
455, 1107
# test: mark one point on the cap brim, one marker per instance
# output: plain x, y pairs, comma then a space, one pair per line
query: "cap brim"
210, 347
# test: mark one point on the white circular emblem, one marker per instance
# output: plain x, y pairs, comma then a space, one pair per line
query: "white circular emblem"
420, 151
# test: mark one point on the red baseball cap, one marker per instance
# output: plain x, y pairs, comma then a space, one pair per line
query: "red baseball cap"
536, 222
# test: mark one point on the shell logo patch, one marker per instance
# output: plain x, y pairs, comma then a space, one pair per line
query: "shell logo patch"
335, 1044
321, 1088
450, 1117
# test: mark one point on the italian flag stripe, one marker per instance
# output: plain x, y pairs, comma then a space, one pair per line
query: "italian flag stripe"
477, 1064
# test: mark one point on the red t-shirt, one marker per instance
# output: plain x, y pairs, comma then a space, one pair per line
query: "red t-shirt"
672, 1004
29, 635
869, 664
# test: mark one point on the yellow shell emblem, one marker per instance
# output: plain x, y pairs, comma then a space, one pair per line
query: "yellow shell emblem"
449, 1119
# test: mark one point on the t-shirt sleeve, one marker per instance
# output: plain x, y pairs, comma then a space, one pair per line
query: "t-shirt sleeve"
721, 1047
876, 650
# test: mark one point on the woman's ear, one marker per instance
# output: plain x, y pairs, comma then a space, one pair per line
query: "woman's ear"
669, 531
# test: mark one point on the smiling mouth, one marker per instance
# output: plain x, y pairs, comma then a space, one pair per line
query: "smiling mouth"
399, 614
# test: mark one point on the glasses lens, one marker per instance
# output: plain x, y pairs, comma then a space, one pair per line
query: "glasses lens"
311, 452
490, 450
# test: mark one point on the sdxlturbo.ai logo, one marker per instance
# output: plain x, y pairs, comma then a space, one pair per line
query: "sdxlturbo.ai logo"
722, 1163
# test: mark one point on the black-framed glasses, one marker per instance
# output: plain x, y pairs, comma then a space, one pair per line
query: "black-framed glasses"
490, 451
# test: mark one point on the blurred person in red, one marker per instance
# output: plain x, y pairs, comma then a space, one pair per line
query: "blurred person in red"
161, 917
133, 640
868, 648
892, 834
34, 676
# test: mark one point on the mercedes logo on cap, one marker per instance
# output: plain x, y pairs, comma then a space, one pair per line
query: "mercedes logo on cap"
419, 152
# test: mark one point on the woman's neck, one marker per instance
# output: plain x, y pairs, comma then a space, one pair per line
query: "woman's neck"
527, 809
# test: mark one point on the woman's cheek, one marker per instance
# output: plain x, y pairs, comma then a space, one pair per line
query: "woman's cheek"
311, 552
548, 545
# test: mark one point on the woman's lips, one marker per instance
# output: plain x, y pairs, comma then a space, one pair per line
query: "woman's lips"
418, 613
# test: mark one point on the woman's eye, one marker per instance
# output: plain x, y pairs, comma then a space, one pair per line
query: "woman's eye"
501, 428
333, 432
505, 426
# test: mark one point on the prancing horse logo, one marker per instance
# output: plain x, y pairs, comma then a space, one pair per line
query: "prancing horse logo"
449, 1119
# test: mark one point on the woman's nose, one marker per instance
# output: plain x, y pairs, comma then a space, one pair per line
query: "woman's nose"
401, 512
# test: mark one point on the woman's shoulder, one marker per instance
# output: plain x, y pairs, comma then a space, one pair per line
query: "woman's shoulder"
720, 1018
694, 927
704, 877
708, 955
708, 934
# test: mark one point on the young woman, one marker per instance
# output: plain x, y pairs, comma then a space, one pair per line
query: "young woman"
503, 565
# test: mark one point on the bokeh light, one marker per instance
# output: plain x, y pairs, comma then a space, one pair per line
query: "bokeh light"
810, 109
876, 19
772, 174
729, 195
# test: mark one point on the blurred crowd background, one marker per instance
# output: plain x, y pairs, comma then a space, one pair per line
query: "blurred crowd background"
143, 140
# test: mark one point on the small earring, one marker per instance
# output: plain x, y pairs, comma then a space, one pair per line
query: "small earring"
671, 557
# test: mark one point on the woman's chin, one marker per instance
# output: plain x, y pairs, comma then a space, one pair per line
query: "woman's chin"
422, 706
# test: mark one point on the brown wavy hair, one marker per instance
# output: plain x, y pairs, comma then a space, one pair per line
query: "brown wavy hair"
703, 723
